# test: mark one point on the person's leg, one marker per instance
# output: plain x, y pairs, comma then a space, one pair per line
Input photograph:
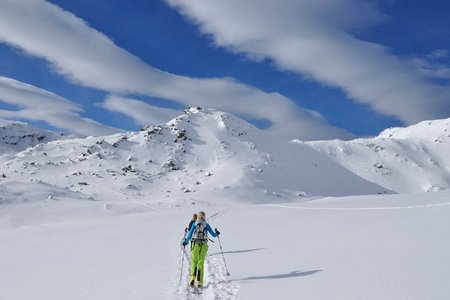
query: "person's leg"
201, 262
195, 258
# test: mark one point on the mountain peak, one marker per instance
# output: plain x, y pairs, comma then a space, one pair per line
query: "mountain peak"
198, 153
395, 158
17, 136
432, 129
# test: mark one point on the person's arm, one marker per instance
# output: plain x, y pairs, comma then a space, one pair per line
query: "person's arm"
210, 230
190, 225
191, 231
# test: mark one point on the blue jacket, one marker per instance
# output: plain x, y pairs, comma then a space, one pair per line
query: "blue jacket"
191, 231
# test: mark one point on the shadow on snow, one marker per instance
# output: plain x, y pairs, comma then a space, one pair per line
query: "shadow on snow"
281, 276
238, 251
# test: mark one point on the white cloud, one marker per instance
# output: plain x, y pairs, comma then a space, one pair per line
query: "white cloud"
39, 105
434, 65
89, 58
314, 39
439, 54
141, 112
431, 69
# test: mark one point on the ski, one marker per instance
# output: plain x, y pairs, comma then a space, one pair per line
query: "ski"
196, 290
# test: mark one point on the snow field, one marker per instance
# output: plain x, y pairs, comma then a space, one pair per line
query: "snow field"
345, 254
361, 247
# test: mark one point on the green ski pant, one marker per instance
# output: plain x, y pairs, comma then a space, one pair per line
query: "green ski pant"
198, 260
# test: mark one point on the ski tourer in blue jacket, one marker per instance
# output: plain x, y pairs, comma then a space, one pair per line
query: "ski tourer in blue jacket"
199, 235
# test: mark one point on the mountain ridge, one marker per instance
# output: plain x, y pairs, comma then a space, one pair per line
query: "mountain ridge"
403, 159
17, 136
199, 152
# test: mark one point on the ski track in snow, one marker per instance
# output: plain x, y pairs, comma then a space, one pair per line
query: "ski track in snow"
216, 284
358, 208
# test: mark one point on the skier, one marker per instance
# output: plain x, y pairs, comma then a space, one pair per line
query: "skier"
199, 234
194, 218
186, 230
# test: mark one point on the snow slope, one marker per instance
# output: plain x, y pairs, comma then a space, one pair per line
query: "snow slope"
359, 247
405, 160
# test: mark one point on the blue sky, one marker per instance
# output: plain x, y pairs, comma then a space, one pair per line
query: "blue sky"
306, 70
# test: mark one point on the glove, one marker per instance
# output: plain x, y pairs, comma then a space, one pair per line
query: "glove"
217, 231
185, 230
184, 243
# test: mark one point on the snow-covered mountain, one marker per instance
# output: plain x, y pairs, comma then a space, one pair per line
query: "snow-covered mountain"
200, 152
411, 159
102, 217
16, 136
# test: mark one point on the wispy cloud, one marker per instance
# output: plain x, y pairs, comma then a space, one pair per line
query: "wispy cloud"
435, 65
314, 39
141, 112
39, 105
89, 58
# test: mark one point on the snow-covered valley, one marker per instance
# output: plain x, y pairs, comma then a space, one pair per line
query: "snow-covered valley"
103, 217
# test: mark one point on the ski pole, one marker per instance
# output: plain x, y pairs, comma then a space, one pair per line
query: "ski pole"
223, 256
183, 253
182, 263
